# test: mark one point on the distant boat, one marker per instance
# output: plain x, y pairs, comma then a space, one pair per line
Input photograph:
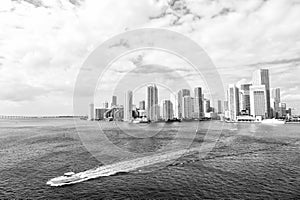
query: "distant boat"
173, 120
273, 121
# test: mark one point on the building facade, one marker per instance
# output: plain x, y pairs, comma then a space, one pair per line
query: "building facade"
128, 106
261, 77
152, 103
167, 110
181, 94
187, 111
198, 103
245, 99
233, 102
258, 101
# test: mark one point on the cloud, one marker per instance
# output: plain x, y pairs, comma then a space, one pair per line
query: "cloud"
43, 43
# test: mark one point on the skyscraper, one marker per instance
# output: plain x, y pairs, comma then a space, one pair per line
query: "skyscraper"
167, 110
282, 110
128, 106
261, 77
206, 105
91, 115
275, 100
152, 103
258, 101
233, 102
187, 111
198, 107
114, 101
245, 98
182, 93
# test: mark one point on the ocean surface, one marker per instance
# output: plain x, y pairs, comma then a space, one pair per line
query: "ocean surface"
247, 161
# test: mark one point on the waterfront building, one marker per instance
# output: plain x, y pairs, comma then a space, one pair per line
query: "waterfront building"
198, 103
152, 103
258, 101
128, 106
275, 100
181, 94
282, 110
91, 115
245, 99
233, 102
206, 106
187, 111
114, 101
261, 77
167, 110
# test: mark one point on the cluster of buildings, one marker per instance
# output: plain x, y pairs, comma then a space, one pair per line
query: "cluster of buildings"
185, 107
248, 102
255, 101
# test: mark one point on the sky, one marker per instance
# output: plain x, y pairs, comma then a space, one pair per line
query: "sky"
44, 43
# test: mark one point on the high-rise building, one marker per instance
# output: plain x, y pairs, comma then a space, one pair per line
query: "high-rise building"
282, 110
233, 102
220, 110
114, 101
181, 94
128, 106
152, 103
258, 101
198, 103
91, 115
206, 105
167, 110
275, 100
261, 77
142, 105
187, 111
245, 99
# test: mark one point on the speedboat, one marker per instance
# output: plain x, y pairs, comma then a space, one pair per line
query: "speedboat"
67, 178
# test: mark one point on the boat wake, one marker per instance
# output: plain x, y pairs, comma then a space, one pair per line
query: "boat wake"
116, 168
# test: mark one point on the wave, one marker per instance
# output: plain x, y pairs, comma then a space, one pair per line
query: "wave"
118, 168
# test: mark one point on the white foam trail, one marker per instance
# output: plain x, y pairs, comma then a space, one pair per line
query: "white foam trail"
124, 166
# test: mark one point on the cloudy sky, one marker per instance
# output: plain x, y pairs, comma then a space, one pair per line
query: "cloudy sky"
43, 44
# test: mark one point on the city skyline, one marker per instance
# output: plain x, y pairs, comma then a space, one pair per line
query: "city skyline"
256, 99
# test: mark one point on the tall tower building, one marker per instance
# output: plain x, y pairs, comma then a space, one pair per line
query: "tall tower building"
233, 101
167, 110
261, 77
114, 101
275, 101
258, 101
198, 107
245, 98
152, 103
91, 115
182, 93
128, 106
187, 111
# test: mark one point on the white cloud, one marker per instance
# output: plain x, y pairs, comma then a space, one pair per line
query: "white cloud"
42, 46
